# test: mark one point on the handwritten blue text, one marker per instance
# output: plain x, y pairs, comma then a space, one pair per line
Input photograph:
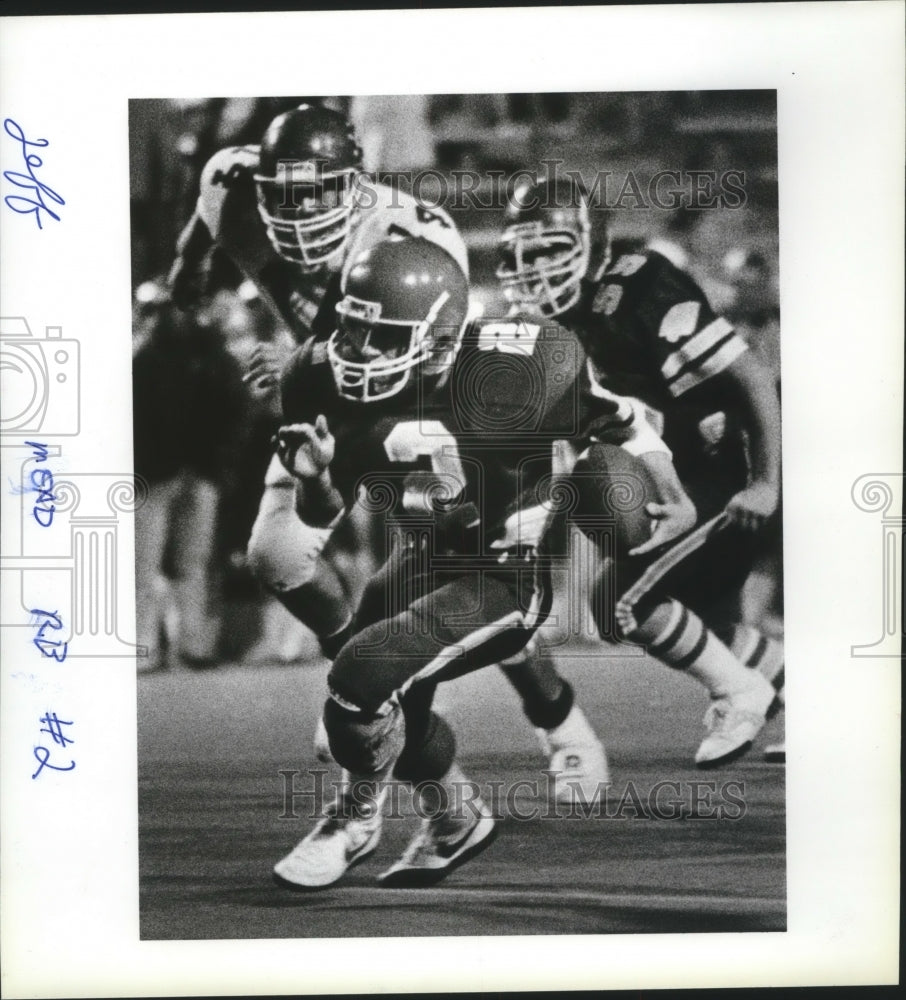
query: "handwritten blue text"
53, 649
54, 727
36, 204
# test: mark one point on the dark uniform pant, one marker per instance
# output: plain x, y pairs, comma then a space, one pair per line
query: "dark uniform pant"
424, 619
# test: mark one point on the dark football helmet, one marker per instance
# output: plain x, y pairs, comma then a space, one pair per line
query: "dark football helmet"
402, 316
309, 162
545, 249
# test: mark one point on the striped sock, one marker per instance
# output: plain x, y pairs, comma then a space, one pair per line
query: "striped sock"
685, 644
758, 652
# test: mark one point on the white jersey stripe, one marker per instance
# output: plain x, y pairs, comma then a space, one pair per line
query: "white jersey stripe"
695, 347
711, 366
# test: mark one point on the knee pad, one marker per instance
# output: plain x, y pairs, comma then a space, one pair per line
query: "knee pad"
364, 743
283, 551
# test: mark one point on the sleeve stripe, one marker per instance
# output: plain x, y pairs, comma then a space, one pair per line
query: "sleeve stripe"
712, 366
697, 345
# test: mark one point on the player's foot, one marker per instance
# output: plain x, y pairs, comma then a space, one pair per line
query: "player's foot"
432, 854
733, 721
576, 758
344, 836
775, 753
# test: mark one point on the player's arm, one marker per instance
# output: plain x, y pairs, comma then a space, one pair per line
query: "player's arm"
188, 275
751, 391
672, 512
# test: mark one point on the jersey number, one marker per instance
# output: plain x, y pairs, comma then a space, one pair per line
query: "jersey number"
424, 215
228, 178
511, 338
412, 439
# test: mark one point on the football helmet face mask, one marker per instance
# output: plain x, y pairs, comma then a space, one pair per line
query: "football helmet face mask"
306, 184
402, 316
545, 248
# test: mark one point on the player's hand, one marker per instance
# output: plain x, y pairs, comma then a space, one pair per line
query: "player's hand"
751, 508
265, 367
668, 521
305, 449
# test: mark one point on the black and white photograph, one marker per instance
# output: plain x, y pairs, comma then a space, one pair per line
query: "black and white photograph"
462, 552
452, 521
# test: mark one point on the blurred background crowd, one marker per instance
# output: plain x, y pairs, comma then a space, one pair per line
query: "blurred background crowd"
202, 440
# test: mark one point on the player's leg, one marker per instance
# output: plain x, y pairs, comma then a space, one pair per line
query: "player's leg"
378, 717
672, 629
756, 633
195, 521
351, 826
152, 526
575, 756
284, 554
650, 610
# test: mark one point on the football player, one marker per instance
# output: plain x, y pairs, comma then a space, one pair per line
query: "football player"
451, 431
650, 335
291, 213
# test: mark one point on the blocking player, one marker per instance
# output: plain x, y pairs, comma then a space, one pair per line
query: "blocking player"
651, 335
452, 431
291, 214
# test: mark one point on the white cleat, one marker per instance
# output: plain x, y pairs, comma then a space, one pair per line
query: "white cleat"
576, 758
431, 856
734, 721
346, 835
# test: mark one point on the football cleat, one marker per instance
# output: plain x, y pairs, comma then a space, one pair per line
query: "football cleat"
775, 753
344, 836
734, 721
576, 758
431, 856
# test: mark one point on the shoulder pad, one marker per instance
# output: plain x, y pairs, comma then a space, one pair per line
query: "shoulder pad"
388, 211
226, 171
225, 166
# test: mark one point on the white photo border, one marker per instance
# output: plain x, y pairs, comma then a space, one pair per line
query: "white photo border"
70, 906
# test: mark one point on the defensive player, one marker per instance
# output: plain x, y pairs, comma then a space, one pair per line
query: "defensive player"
651, 335
452, 431
290, 214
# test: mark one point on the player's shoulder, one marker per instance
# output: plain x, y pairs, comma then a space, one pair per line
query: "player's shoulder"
226, 197
307, 357
516, 333
229, 165
543, 351
644, 279
386, 211
640, 266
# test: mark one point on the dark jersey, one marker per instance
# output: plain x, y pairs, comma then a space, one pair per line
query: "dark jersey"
651, 334
474, 454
